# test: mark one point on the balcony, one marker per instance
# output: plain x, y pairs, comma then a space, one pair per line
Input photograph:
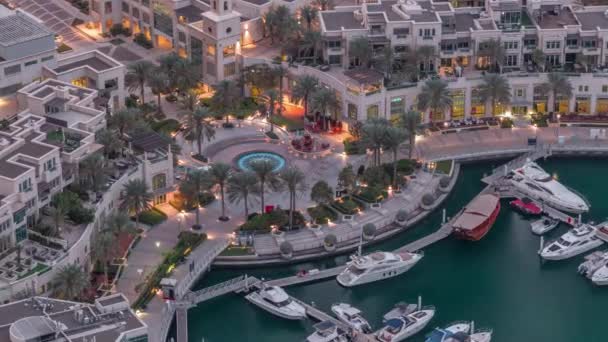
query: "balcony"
427, 37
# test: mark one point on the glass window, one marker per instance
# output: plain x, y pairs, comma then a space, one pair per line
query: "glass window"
229, 50
372, 112
478, 108
211, 50
352, 111
457, 104
582, 105
13, 69
230, 69
159, 181
602, 106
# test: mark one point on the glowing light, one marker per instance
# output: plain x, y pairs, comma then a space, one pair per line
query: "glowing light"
157, 244
138, 313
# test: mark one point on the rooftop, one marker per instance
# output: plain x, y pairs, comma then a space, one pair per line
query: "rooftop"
364, 76
191, 13
150, 141
592, 20
336, 21
556, 20
19, 27
464, 22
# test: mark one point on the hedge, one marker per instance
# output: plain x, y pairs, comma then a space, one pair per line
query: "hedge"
353, 147
321, 214
277, 217
180, 204
346, 206
152, 217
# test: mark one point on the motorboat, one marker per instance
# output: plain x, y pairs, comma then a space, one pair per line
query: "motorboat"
351, 316
400, 309
526, 206
543, 225
593, 262
376, 266
274, 300
454, 332
537, 184
578, 240
398, 329
600, 276
327, 331
482, 335
602, 231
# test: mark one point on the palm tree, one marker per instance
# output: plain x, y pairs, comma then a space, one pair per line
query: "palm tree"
385, 61
259, 76
181, 73
190, 100
104, 249
360, 51
347, 178
325, 4
393, 137
295, 181
303, 89
197, 126
192, 189
280, 72
69, 282
426, 54
93, 172
124, 119
110, 144
324, 100
495, 52
118, 223
159, 84
137, 76
281, 25
60, 204
136, 198
495, 89
310, 44
538, 58
264, 170
241, 186
434, 96
372, 135
225, 98
557, 86
309, 13
410, 121
220, 173
270, 99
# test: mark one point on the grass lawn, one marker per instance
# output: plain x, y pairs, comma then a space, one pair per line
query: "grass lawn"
152, 217
444, 166
38, 268
64, 48
237, 251
291, 125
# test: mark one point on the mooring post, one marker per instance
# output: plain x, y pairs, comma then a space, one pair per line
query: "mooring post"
443, 216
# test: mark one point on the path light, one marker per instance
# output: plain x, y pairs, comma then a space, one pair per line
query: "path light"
157, 244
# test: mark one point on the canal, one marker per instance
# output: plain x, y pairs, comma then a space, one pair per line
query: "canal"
498, 282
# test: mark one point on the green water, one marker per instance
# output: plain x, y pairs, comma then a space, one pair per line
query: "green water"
499, 282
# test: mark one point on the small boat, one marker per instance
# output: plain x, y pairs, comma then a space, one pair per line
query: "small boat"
351, 316
576, 241
326, 331
602, 231
455, 332
400, 309
398, 329
600, 276
376, 266
526, 206
543, 225
592, 263
477, 217
274, 300
482, 335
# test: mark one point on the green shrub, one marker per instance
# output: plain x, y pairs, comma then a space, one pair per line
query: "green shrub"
167, 126
353, 147
369, 229
277, 217
428, 199
286, 248
321, 214
376, 176
179, 203
506, 123
81, 215
141, 39
372, 194
346, 206
152, 217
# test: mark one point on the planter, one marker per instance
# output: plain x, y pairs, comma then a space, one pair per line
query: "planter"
315, 227
401, 223
329, 248
287, 255
368, 237
277, 233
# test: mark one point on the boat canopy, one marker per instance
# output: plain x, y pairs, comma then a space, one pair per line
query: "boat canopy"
394, 323
477, 212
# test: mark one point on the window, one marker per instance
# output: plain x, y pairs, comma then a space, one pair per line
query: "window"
13, 69
552, 60
108, 7
457, 104
211, 50
228, 30
159, 181
5, 225
352, 111
553, 44
401, 32
511, 60
530, 43
145, 3
225, 5
335, 59
589, 44
125, 7
26, 185
605, 88
397, 107
426, 33
21, 233
583, 88
372, 112
135, 12
196, 50
400, 48
334, 44
30, 204
511, 45
47, 58
163, 23
230, 69
50, 165
229, 50
31, 62
463, 45
145, 17
572, 42
181, 36
520, 92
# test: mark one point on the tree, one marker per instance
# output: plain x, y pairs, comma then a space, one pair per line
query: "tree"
60, 205
280, 24
347, 178
372, 136
124, 119
538, 58
385, 61
264, 170
496, 90
360, 51
197, 126
136, 198
410, 121
310, 43
584, 60
137, 76
119, 223
104, 250
303, 89
220, 173
69, 282
110, 144
495, 52
434, 96
309, 13
241, 186
159, 84
259, 76
270, 101
321, 193
324, 100
225, 98
294, 181
556, 86
92, 172
280, 72
325, 4
181, 74
190, 100
192, 188
393, 137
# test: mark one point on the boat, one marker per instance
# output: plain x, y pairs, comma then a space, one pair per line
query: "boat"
578, 240
326, 331
351, 316
477, 217
526, 206
400, 309
602, 232
455, 332
537, 184
398, 329
482, 335
543, 225
376, 266
274, 300
600, 276
593, 262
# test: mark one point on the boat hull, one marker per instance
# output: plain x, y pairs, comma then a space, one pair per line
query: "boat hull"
572, 252
550, 201
480, 231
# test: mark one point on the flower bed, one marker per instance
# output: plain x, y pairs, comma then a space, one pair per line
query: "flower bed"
353, 147
372, 194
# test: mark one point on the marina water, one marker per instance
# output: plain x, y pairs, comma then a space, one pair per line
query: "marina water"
499, 282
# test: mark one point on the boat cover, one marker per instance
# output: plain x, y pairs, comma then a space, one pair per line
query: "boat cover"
476, 212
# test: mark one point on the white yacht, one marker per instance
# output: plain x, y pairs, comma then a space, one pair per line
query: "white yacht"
600, 276
274, 300
376, 266
351, 316
537, 184
398, 329
593, 262
543, 225
326, 331
481, 336
576, 241
455, 332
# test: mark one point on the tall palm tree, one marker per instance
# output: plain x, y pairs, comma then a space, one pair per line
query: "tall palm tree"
124, 119
372, 136
136, 198
225, 98
219, 174
241, 186
556, 86
309, 13
360, 51
496, 90
137, 76
303, 89
270, 100
119, 223
280, 72
192, 189
410, 121
310, 43
385, 61
181, 73
60, 204
190, 100
281, 25
92, 171
495, 52
69, 282
197, 126
264, 170
393, 137
107, 139
104, 250
434, 96
324, 100
294, 181
159, 84
538, 58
